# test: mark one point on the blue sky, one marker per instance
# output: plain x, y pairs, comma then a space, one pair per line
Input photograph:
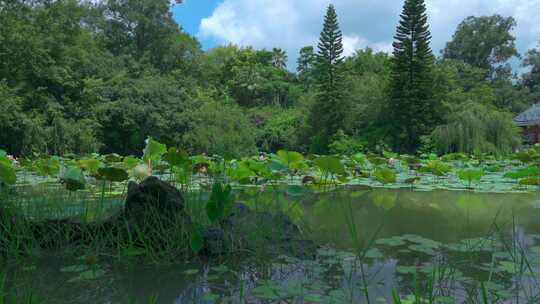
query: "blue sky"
189, 16
292, 24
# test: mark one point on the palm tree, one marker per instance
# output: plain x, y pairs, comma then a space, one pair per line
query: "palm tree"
279, 58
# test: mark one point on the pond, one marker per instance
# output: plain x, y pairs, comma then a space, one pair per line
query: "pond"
449, 246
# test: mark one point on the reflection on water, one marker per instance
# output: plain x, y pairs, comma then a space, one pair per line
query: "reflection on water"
413, 229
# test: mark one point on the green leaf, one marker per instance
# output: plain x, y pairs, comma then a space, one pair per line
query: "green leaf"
291, 159
359, 158
153, 150
112, 158
7, 172
74, 268
88, 275
470, 175
523, 173
330, 164
176, 158
530, 181
438, 168
385, 175
374, 253
525, 156
276, 166
241, 173
220, 202
112, 174
191, 271
73, 178
90, 164
130, 162
197, 240
48, 166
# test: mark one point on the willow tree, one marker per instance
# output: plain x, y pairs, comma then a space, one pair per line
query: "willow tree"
329, 110
475, 128
412, 110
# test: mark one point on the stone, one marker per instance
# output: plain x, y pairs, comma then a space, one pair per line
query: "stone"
248, 229
153, 197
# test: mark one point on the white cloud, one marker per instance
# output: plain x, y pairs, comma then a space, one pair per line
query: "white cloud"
292, 24
352, 43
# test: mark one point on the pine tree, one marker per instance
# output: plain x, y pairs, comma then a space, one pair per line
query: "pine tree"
412, 109
328, 112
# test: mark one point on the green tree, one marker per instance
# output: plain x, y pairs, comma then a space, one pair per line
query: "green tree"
412, 109
12, 121
306, 65
146, 30
476, 128
219, 128
367, 82
135, 108
483, 42
279, 58
329, 110
531, 79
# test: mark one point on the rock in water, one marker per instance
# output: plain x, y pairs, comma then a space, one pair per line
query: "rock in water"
248, 229
153, 198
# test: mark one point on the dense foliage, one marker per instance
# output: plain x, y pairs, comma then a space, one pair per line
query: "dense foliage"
101, 76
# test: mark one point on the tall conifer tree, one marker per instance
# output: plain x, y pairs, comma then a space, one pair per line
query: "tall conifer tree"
328, 112
412, 109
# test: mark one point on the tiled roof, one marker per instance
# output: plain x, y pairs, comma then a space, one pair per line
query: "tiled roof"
529, 117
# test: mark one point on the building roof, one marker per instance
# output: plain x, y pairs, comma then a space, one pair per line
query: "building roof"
530, 117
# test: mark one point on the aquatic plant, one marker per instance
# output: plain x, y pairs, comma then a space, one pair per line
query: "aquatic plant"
384, 175
220, 203
437, 168
470, 176
7, 171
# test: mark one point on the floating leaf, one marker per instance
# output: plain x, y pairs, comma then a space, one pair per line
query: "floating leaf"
220, 268
374, 253
74, 268
191, 271
393, 242
523, 173
89, 275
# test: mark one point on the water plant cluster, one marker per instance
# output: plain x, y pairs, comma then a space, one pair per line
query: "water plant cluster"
519, 172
